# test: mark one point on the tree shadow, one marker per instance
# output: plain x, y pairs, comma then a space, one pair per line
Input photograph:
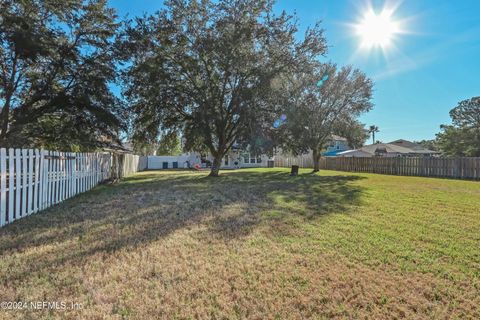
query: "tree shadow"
151, 205
280, 197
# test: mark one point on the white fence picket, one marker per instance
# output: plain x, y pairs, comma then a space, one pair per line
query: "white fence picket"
69, 175
42, 180
60, 174
18, 183
3, 186
82, 172
89, 171
36, 180
11, 184
87, 178
57, 178
48, 180
32, 180
64, 175
24, 181
74, 175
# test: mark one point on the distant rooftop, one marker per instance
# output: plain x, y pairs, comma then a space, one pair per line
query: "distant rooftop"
399, 146
411, 145
338, 138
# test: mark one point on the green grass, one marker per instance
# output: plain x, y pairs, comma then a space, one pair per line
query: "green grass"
253, 243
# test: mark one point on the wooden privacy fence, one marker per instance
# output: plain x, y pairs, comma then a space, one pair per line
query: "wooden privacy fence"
459, 168
32, 180
303, 161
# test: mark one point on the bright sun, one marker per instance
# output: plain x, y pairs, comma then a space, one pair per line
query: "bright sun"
377, 30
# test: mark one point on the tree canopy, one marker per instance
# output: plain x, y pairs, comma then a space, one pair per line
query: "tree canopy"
430, 144
169, 145
354, 131
321, 103
462, 137
208, 68
56, 64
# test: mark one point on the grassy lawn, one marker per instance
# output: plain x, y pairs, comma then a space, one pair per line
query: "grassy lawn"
252, 244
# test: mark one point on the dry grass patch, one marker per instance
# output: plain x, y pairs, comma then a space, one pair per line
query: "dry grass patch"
251, 244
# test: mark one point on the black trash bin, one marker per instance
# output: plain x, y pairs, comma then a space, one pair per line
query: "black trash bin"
294, 171
165, 165
270, 164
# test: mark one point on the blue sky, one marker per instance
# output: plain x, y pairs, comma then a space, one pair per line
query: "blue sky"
418, 79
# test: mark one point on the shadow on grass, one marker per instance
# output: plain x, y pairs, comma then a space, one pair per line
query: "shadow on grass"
151, 205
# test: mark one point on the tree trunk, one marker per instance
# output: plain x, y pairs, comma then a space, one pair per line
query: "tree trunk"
9, 90
4, 115
217, 162
316, 160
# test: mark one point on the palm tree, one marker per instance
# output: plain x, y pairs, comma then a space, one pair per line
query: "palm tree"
372, 130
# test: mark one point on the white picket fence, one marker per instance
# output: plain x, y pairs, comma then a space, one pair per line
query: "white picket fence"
32, 180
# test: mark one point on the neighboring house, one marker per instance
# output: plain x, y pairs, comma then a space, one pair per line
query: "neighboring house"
234, 159
244, 159
413, 146
337, 144
397, 148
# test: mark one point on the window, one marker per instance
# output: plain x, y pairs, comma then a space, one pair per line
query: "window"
250, 158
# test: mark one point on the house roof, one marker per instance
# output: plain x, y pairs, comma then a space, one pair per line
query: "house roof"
398, 146
356, 153
385, 148
338, 138
411, 145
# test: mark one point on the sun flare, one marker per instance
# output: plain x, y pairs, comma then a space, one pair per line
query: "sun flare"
377, 30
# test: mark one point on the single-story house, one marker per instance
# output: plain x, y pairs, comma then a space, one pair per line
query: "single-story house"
397, 148
234, 159
414, 146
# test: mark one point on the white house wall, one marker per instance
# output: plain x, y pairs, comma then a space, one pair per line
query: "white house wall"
156, 162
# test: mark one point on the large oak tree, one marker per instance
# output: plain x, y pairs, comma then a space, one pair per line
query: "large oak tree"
55, 67
208, 68
320, 103
462, 137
